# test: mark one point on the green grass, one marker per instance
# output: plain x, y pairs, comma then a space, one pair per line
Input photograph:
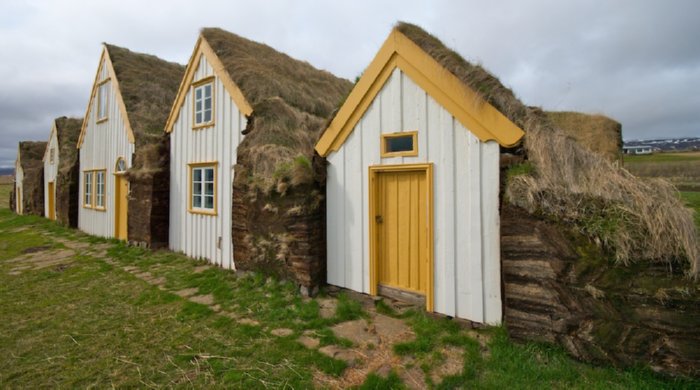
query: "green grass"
5, 190
93, 324
682, 169
692, 200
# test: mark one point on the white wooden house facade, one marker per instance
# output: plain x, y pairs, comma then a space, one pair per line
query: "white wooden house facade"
413, 186
205, 128
106, 146
51, 161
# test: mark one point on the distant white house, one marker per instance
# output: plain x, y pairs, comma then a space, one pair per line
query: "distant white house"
637, 149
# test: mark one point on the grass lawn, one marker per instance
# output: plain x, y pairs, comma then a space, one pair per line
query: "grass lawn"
5, 190
682, 169
86, 316
692, 199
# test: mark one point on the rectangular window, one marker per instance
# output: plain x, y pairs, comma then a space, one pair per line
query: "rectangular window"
400, 144
100, 189
52, 155
203, 104
203, 188
87, 191
102, 100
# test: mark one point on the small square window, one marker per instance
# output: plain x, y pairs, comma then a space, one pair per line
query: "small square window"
400, 144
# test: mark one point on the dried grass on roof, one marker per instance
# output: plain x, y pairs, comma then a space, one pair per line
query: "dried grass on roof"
148, 86
596, 132
67, 133
290, 99
262, 73
31, 155
634, 218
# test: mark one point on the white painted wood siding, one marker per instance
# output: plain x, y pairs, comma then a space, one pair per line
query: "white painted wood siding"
103, 144
50, 170
466, 184
198, 235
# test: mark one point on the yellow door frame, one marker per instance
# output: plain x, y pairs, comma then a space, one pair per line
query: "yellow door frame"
118, 177
374, 171
52, 200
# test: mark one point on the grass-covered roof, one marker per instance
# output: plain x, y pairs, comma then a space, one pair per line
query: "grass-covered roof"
31, 154
67, 133
597, 132
634, 218
291, 101
148, 86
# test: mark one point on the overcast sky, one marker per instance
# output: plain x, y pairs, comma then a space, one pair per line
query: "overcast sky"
635, 61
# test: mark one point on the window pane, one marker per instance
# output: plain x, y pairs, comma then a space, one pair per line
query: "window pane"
197, 93
197, 201
209, 189
197, 188
207, 104
197, 174
399, 144
209, 174
207, 91
209, 202
198, 118
207, 116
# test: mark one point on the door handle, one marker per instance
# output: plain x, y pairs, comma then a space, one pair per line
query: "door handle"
378, 219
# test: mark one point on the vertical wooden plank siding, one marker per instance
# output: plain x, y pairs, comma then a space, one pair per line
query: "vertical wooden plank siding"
50, 171
465, 185
198, 235
103, 144
19, 178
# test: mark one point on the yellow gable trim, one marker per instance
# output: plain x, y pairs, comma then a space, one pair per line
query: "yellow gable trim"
120, 102
202, 48
480, 117
48, 144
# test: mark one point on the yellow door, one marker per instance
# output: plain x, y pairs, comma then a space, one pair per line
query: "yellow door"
18, 201
401, 218
52, 201
121, 203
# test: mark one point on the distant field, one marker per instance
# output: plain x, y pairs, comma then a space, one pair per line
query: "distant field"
5, 189
4, 179
682, 169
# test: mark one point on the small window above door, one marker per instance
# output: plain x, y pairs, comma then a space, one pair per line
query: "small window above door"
404, 144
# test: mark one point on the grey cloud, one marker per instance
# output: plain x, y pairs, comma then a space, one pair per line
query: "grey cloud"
634, 60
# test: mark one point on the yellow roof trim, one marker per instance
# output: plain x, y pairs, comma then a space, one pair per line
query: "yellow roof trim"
53, 130
202, 48
118, 93
480, 117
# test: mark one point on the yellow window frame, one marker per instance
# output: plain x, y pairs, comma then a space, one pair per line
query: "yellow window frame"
203, 211
199, 84
406, 153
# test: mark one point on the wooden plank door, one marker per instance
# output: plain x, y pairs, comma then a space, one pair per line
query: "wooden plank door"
52, 201
401, 213
121, 205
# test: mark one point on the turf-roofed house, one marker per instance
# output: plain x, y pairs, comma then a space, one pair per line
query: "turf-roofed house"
413, 183
123, 151
61, 172
28, 195
245, 192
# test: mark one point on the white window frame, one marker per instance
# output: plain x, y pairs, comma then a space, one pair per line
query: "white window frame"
87, 189
199, 101
197, 188
100, 189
